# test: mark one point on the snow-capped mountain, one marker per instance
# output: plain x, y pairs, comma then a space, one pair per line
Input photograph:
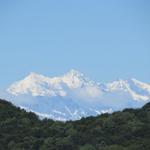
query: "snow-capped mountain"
73, 82
73, 95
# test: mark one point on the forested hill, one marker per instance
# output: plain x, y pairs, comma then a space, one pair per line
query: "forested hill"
126, 130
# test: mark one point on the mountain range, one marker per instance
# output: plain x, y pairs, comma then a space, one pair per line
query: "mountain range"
73, 95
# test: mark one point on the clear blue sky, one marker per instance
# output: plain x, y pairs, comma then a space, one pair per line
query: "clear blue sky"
105, 39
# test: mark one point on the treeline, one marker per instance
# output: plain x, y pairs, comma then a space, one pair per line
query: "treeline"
126, 130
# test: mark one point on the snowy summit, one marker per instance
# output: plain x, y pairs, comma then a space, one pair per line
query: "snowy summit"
72, 95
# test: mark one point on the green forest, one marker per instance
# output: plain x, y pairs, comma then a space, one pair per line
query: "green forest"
123, 130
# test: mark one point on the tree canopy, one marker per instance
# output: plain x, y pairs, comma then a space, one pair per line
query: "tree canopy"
123, 130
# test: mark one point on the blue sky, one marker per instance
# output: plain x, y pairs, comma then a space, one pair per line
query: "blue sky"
104, 39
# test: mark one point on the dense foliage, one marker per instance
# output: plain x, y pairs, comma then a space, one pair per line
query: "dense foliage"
126, 130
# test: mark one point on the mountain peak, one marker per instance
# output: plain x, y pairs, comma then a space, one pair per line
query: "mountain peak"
117, 85
74, 73
34, 75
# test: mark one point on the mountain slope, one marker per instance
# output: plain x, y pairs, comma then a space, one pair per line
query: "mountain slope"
72, 96
72, 82
126, 130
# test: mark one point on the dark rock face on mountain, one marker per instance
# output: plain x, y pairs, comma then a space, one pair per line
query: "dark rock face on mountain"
124, 130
